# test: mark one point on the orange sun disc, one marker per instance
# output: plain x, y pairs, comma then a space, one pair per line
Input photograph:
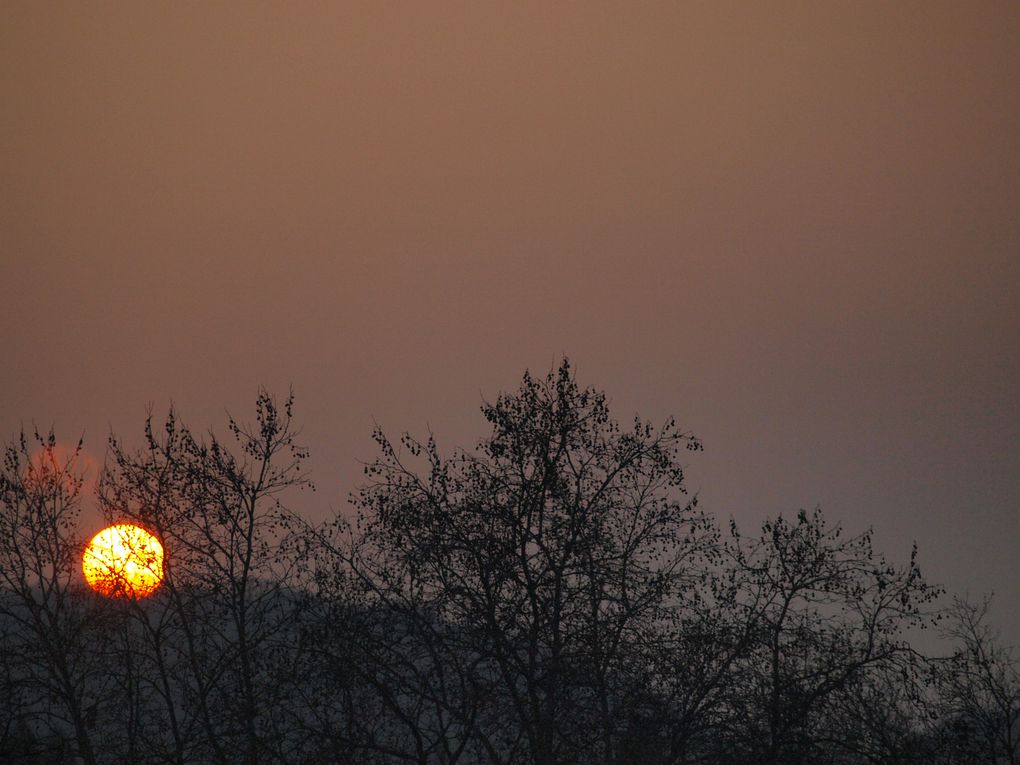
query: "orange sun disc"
123, 560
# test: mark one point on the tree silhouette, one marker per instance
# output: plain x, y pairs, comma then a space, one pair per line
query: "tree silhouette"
979, 687
549, 561
826, 610
52, 659
552, 596
225, 605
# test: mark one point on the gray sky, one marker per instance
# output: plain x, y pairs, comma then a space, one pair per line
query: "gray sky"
794, 225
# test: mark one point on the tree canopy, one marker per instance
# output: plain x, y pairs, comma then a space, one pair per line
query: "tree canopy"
553, 595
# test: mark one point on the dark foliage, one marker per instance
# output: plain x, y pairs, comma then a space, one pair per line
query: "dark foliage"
551, 596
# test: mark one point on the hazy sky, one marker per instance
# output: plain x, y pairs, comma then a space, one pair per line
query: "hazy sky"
795, 226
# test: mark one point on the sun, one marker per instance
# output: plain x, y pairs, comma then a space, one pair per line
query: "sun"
123, 561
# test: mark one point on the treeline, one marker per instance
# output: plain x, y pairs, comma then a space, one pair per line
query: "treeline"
553, 596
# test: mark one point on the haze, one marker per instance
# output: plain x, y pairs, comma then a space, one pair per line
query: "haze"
795, 226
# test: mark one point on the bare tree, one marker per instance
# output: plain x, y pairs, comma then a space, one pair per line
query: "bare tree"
979, 688
551, 596
548, 561
826, 609
399, 683
53, 656
215, 637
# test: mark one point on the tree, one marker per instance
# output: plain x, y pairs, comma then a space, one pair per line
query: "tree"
979, 688
214, 642
53, 652
551, 596
826, 611
548, 561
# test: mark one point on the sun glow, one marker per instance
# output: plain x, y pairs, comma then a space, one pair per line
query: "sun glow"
123, 561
